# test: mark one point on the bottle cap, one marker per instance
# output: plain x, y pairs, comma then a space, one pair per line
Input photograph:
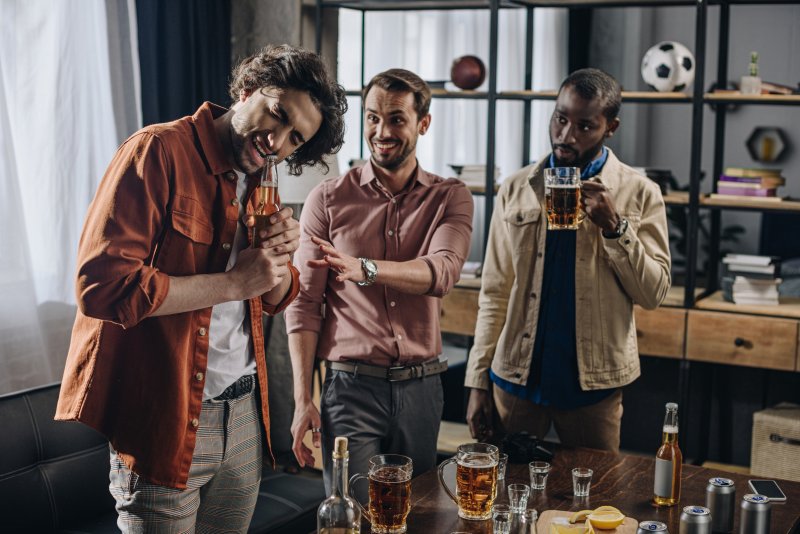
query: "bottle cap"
672, 406
340, 448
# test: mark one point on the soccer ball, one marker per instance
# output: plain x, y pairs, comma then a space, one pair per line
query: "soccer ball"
668, 66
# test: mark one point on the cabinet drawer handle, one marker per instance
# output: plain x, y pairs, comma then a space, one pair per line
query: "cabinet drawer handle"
777, 438
741, 342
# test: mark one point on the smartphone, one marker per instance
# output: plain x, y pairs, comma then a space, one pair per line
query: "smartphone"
769, 488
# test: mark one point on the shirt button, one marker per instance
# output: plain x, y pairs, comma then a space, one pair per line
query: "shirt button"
226, 246
230, 176
526, 335
394, 201
234, 202
539, 255
195, 422
627, 241
392, 304
533, 295
391, 232
399, 337
199, 376
201, 331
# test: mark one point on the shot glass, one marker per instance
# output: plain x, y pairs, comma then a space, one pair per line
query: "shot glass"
527, 522
501, 519
581, 481
518, 497
539, 472
501, 467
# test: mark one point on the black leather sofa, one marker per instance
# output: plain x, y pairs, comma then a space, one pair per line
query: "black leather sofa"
54, 477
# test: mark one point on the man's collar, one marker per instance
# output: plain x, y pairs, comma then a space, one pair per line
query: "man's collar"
420, 176
592, 169
216, 157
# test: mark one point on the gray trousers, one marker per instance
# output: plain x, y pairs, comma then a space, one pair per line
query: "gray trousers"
380, 417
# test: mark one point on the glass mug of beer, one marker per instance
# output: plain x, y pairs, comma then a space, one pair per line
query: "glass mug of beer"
476, 480
389, 492
562, 193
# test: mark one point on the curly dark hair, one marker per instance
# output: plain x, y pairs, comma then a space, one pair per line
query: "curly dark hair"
288, 67
591, 83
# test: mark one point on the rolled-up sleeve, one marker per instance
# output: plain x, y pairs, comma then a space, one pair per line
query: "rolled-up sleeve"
291, 294
451, 241
305, 313
114, 281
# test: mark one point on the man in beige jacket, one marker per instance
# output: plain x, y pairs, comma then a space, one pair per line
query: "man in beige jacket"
555, 337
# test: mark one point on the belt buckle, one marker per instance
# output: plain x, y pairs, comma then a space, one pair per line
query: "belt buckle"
390, 377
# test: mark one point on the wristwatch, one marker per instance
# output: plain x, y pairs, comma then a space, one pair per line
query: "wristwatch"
622, 225
370, 272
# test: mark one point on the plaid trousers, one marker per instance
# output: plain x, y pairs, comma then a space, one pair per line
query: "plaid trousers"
223, 480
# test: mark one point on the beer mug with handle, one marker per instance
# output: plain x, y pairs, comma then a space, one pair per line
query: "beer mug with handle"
389, 492
562, 193
476, 480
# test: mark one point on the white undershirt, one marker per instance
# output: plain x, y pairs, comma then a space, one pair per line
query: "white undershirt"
230, 351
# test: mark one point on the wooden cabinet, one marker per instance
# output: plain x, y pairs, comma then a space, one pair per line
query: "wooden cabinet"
460, 310
661, 332
747, 340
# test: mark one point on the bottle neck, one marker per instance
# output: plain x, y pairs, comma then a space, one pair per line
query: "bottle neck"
671, 425
339, 477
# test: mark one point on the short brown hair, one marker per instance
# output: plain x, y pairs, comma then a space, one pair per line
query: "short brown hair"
287, 67
403, 81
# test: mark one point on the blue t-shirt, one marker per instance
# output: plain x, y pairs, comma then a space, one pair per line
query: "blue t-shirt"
553, 380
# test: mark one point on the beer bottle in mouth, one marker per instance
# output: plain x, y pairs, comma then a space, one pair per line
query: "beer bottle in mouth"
266, 200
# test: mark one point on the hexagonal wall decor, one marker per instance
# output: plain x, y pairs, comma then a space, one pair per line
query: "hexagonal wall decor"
767, 144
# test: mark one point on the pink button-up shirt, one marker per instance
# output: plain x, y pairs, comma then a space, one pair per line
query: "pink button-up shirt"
431, 219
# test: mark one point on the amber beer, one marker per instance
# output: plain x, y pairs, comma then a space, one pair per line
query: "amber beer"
562, 195
389, 499
476, 486
476, 480
266, 201
389, 493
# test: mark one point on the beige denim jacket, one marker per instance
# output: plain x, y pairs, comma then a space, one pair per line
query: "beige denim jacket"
610, 277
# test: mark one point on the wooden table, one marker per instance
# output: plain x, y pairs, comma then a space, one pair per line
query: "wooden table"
623, 481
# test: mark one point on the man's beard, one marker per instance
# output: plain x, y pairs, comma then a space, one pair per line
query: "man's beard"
397, 161
582, 160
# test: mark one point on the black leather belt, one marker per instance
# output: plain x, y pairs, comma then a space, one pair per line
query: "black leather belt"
243, 386
391, 374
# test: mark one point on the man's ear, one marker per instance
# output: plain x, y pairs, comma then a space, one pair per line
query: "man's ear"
424, 124
612, 127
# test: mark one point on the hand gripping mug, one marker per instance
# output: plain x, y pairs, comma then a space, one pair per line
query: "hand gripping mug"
562, 193
389, 492
476, 480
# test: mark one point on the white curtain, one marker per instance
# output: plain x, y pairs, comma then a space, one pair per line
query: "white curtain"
427, 42
69, 87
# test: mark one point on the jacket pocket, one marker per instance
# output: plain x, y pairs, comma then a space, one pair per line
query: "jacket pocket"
523, 231
189, 219
523, 217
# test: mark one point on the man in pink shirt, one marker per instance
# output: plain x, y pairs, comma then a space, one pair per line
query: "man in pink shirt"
379, 247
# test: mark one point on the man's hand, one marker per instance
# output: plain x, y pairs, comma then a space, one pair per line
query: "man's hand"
479, 414
347, 267
257, 271
283, 233
598, 205
306, 417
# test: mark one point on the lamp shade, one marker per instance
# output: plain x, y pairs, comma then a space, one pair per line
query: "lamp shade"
295, 189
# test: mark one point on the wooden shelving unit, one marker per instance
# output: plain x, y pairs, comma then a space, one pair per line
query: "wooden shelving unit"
788, 307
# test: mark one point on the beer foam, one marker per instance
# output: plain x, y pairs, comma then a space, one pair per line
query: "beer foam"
478, 461
670, 429
563, 186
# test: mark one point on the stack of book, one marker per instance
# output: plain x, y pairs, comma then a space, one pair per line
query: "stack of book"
737, 182
474, 175
750, 279
471, 269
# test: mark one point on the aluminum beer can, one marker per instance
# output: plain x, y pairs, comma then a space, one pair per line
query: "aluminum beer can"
646, 527
695, 520
755, 517
721, 502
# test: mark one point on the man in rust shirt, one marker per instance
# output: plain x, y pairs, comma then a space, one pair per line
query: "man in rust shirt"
167, 354
385, 242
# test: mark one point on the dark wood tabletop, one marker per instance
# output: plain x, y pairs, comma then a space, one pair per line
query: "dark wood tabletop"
624, 481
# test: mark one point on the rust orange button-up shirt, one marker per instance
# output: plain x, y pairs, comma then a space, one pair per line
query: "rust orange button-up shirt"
166, 207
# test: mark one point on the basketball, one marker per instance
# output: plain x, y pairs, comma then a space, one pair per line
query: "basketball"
468, 72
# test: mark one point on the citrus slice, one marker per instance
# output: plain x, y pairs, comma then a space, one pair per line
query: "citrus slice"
580, 516
607, 508
605, 520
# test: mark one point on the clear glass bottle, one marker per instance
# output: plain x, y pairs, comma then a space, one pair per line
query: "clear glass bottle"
669, 460
751, 85
266, 201
339, 514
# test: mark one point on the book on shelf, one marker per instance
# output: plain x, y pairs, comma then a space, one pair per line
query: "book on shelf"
745, 290
720, 196
760, 192
751, 172
751, 266
471, 269
750, 259
751, 181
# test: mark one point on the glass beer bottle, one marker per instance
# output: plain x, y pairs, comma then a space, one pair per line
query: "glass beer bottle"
339, 514
667, 486
266, 199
